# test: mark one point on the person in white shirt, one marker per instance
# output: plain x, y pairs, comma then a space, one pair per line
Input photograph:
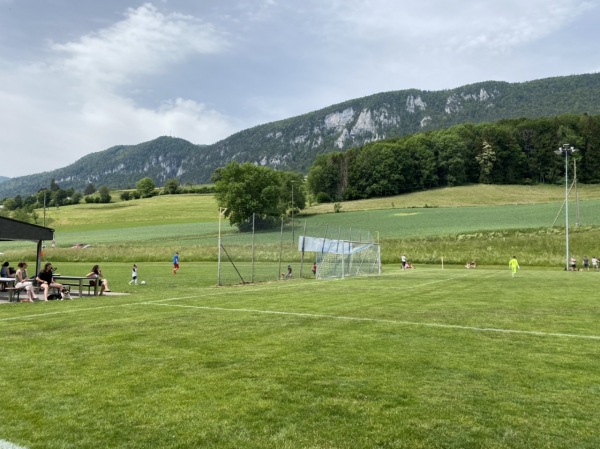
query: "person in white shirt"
24, 282
133, 275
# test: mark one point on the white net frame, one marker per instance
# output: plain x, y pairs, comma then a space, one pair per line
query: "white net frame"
342, 258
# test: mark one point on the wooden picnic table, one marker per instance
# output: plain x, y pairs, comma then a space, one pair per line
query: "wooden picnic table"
10, 288
79, 282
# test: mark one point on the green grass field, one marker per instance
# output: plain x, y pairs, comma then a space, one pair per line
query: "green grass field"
426, 358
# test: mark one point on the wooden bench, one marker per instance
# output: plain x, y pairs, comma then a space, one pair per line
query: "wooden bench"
12, 291
76, 284
78, 281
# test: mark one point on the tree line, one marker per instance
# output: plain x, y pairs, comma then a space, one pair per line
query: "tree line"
519, 151
24, 208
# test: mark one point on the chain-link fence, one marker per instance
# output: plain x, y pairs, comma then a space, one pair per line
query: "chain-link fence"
252, 255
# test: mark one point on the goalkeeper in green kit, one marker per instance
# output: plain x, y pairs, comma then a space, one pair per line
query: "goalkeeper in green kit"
514, 265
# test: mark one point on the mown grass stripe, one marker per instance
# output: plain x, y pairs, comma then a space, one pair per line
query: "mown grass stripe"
378, 320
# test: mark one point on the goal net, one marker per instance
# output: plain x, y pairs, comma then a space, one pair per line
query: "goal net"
339, 259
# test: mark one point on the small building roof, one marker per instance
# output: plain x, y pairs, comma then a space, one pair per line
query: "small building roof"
20, 230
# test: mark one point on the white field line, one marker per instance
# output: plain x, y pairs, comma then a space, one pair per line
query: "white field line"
8, 445
378, 320
216, 292
161, 302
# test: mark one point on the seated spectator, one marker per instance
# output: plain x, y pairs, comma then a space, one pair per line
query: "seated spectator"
46, 280
24, 282
472, 264
96, 276
289, 272
4, 270
5, 273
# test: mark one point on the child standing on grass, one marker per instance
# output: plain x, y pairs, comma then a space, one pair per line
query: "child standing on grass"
514, 265
133, 275
175, 263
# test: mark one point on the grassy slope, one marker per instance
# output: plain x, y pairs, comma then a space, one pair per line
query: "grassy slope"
172, 209
473, 195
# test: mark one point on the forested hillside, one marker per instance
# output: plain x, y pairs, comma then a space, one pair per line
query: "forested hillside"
517, 151
295, 143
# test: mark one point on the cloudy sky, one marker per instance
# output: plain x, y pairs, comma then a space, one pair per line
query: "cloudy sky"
79, 76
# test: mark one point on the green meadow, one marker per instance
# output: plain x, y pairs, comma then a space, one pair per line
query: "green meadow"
487, 223
435, 357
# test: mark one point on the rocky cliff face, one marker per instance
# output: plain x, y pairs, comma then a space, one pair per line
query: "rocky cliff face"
353, 124
293, 144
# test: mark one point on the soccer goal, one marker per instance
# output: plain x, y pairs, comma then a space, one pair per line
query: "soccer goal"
340, 259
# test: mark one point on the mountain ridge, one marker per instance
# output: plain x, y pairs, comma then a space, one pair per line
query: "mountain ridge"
294, 143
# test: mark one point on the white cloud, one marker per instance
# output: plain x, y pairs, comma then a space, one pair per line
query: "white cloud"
72, 104
203, 70
465, 25
146, 42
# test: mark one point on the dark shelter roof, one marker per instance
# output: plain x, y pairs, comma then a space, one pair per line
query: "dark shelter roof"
19, 230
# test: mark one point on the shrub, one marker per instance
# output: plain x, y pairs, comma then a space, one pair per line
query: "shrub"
323, 197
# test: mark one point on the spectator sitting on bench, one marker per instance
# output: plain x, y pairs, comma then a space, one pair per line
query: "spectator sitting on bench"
46, 280
24, 282
96, 276
5, 273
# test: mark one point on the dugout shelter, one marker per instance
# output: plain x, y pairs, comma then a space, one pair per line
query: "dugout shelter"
15, 230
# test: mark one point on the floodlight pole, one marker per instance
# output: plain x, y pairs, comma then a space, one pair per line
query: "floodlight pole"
566, 150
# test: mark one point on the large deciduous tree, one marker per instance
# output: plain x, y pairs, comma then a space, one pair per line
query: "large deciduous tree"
171, 186
104, 192
246, 189
90, 189
145, 187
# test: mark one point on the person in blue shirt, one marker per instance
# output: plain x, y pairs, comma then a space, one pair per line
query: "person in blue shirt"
175, 263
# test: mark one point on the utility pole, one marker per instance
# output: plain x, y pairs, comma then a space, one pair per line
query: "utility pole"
576, 195
292, 211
